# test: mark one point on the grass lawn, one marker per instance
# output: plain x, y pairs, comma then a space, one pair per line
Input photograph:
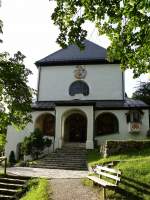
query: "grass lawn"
135, 168
38, 190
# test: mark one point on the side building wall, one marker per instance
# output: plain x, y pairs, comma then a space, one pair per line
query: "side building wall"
14, 137
123, 133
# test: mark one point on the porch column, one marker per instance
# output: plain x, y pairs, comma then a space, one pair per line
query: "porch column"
58, 136
90, 118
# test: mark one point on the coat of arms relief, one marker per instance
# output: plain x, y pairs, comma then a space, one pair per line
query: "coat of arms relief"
80, 72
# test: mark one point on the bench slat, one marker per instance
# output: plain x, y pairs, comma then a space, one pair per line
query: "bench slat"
108, 169
101, 181
107, 175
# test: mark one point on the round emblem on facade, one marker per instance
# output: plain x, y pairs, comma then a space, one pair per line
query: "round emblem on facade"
80, 72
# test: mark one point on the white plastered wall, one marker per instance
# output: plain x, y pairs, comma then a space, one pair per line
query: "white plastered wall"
123, 127
105, 82
62, 113
14, 137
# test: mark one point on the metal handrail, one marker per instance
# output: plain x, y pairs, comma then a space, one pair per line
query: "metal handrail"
4, 158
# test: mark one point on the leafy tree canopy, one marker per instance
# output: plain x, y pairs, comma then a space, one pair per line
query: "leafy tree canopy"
15, 94
143, 92
125, 22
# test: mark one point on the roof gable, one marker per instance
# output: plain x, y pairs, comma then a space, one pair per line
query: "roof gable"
73, 55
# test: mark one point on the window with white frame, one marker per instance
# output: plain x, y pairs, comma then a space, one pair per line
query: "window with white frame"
134, 116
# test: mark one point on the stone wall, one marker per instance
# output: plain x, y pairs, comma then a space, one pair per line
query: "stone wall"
122, 147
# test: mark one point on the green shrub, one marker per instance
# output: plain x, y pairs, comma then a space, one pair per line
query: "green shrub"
34, 144
37, 143
22, 164
26, 146
12, 159
37, 139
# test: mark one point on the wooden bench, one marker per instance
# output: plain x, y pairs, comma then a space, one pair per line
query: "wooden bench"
101, 172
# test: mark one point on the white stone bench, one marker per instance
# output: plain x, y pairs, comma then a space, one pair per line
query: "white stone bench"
113, 177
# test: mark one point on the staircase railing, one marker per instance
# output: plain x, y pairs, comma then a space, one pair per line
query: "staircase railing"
4, 158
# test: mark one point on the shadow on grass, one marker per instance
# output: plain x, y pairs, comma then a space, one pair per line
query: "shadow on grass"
138, 189
136, 182
127, 195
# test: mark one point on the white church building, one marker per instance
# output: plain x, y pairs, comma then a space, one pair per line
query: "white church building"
81, 99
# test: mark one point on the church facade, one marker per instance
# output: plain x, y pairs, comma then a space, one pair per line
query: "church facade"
81, 99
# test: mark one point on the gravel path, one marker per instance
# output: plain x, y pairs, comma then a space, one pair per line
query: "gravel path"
71, 189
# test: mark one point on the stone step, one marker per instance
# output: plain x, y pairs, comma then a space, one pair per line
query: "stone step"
7, 191
74, 145
66, 157
71, 150
6, 197
72, 156
25, 178
63, 159
62, 164
76, 149
11, 185
60, 167
11, 180
68, 154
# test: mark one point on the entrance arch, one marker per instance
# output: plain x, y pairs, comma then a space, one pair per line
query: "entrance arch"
75, 128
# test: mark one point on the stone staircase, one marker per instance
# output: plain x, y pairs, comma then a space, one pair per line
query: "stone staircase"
12, 187
71, 157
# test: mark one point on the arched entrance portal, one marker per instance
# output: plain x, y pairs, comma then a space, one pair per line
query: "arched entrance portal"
75, 128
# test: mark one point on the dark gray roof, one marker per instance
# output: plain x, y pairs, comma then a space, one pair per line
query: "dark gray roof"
43, 105
73, 55
126, 104
98, 104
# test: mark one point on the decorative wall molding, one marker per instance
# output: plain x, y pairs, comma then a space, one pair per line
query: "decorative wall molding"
80, 72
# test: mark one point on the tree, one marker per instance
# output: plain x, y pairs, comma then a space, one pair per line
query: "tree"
143, 92
15, 94
126, 23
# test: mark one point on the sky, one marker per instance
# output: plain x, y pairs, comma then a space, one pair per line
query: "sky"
28, 28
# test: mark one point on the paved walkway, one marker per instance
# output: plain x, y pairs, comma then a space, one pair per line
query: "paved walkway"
47, 173
66, 184
72, 189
